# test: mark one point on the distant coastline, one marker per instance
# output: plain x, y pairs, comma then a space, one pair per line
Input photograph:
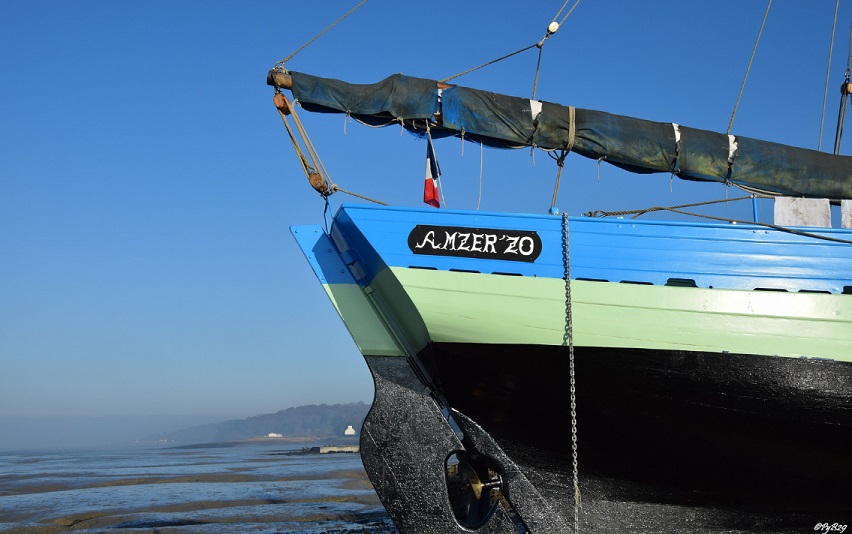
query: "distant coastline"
299, 424
281, 439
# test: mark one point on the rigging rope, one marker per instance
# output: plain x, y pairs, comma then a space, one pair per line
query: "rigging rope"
560, 159
314, 169
753, 52
827, 72
281, 63
537, 69
560, 164
676, 209
479, 199
489, 63
551, 29
566, 14
639, 212
844, 94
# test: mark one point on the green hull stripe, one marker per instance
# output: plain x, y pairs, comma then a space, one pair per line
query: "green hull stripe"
484, 308
364, 324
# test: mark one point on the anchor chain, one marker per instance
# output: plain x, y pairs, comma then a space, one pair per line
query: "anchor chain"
568, 340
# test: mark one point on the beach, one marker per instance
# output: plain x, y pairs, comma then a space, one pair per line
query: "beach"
256, 486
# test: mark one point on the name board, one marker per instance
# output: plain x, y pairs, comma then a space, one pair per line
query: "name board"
484, 243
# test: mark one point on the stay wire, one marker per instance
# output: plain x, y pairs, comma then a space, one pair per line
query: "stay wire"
844, 95
281, 63
676, 209
566, 14
468, 71
750, 61
827, 73
538, 44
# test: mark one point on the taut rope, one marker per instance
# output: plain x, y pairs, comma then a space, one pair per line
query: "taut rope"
750, 61
280, 64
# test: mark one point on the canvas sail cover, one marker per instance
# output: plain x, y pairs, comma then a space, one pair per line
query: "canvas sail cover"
637, 145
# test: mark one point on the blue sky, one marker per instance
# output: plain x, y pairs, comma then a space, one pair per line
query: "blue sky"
147, 184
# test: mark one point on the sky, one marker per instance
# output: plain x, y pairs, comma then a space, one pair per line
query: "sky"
147, 184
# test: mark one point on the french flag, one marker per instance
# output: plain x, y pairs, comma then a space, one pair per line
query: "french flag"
430, 187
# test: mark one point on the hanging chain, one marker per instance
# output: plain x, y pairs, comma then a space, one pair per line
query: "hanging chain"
568, 340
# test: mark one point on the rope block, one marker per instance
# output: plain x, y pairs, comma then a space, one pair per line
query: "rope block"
318, 182
281, 103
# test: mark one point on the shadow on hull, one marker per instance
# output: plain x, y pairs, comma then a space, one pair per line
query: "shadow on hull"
668, 441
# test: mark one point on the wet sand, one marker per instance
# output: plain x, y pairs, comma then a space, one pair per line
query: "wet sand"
258, 491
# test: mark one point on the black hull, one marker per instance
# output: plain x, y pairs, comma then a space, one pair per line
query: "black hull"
703, 429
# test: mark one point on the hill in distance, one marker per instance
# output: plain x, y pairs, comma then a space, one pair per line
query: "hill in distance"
319, 421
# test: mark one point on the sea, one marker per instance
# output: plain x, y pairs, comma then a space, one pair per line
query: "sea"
252, 486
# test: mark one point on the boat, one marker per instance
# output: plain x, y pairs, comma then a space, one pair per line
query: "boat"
526, 362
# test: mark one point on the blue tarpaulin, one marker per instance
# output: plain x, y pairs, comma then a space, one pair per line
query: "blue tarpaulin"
634, 144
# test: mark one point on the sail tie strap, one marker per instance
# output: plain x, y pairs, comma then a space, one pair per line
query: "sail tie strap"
568, 341
676, 163
572, 128
733, 151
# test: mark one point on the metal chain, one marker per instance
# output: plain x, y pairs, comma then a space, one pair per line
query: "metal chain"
568, 340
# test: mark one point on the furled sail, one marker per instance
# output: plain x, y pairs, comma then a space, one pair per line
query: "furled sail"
634, 144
